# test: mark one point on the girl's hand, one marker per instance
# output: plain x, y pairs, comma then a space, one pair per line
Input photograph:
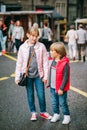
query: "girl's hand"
45, 81
17, 82
60, 92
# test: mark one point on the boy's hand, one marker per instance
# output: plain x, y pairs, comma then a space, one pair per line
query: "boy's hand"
60, 92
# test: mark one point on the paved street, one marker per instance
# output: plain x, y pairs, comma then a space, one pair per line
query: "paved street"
14, 111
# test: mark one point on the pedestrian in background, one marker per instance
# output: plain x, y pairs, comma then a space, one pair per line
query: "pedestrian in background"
18, 35
35, 25
86, 34
72, 38
11, 28
59, 81
81, 42
37, 73
47, 36
4, 30
1, 36
10, 33
1, 39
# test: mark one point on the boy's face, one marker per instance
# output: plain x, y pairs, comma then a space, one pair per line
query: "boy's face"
33, 38
54, 54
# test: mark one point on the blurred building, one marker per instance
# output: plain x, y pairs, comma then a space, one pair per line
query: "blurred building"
70, 9
76, 9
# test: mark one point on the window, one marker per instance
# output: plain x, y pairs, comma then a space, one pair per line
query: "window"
72, 1
72, 13
61, 8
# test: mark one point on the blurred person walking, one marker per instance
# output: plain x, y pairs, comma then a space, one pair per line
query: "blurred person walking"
81, 42
1, 36
1, 39
10, 33
35, 25
47, 36
18, 35
4, 30
72, 38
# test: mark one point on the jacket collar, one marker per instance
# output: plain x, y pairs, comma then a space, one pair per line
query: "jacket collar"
27, 44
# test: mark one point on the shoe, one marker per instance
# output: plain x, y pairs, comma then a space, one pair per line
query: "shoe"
55, 118
33, 117
3, 51
66, 119
45, 115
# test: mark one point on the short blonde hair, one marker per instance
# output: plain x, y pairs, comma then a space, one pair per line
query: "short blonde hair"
34, 31
59, 48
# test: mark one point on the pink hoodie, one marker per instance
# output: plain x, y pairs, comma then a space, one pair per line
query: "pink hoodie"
42, 60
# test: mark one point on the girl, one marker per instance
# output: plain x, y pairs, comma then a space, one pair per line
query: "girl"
37, 73
59, 81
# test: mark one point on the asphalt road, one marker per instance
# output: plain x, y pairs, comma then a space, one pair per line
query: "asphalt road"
14, 111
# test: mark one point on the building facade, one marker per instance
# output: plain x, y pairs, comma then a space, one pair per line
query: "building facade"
70, 9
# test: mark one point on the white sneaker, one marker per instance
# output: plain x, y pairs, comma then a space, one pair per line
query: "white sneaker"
0, 53
66, 119
33, 117
55, 118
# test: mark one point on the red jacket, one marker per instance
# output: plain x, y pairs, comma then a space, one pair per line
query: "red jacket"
59, 74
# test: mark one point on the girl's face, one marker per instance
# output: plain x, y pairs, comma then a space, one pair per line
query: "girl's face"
33, 38
18, 23
54, 54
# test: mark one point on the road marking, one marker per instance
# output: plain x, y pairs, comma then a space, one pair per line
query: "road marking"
12, 58
78, 91
12, 75
4, 78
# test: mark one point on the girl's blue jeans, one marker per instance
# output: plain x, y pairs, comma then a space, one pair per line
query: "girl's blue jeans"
32, 84
59, 101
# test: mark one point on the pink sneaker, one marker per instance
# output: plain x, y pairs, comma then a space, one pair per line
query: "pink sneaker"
33, 117
45, 115
3, 51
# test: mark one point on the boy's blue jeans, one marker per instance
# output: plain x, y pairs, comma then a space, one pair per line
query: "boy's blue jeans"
59, 101
39, 86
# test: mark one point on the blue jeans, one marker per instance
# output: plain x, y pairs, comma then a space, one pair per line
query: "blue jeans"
0, 47
4, 43
39, 86
17, 43
59, 101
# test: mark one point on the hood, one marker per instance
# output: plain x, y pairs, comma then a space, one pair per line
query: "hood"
64, 59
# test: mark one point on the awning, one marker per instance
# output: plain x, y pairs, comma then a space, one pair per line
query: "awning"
83, 20
56, 15
13, 7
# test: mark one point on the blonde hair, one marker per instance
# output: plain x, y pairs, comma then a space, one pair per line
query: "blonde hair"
35, 25
59, 48
34, 31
